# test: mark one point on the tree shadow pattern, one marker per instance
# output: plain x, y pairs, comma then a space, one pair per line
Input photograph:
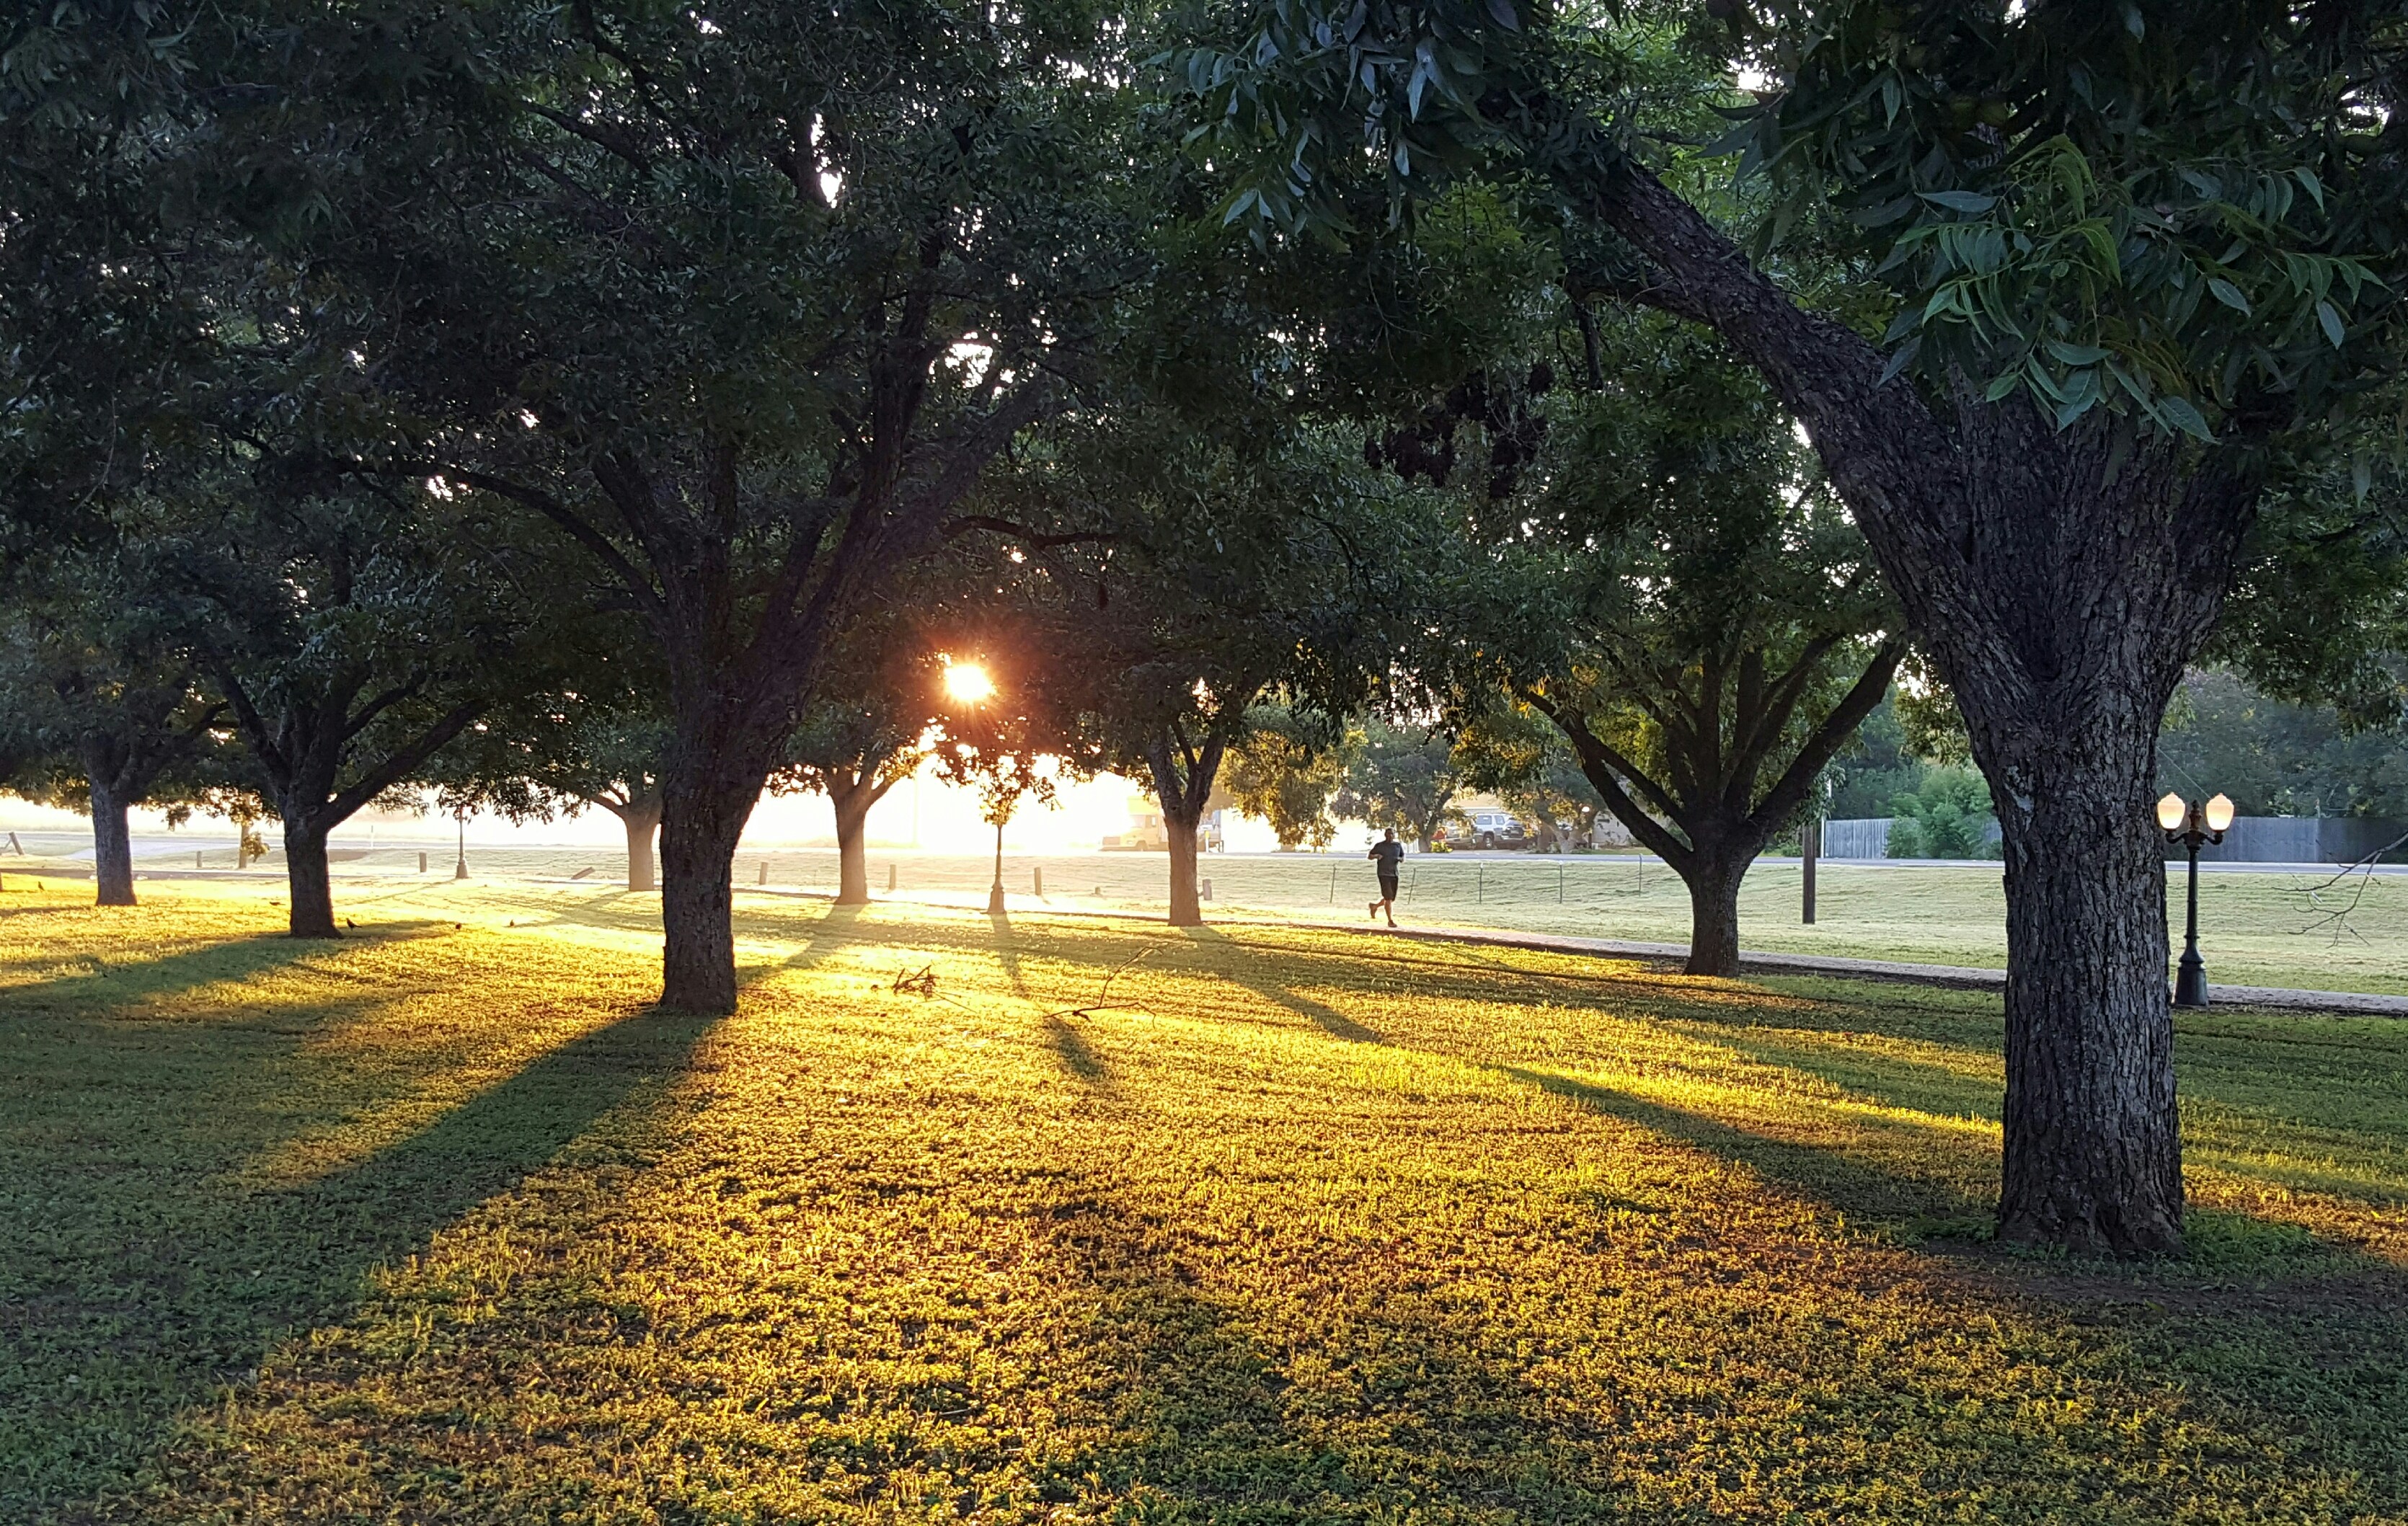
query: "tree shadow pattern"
1244, 1282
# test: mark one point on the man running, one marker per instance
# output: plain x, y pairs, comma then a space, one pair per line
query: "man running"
1390, 854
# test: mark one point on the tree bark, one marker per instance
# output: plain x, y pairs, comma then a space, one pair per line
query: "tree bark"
2093, 1145
851, 848
707, 795
1186, 908
311, 889
643, 822
1183, 772
112, 845
1713, 879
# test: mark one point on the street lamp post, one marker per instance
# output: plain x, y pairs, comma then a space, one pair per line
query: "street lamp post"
2193, 826
460, 870
994, 896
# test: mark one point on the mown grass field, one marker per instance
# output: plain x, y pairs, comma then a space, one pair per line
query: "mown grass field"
2284, 928
1098, 1221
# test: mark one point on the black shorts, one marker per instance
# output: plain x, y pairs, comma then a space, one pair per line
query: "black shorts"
1387, 887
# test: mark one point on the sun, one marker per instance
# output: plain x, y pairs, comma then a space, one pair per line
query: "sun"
967, 682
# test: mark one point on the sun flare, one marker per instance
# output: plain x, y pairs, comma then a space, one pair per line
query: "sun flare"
967, 682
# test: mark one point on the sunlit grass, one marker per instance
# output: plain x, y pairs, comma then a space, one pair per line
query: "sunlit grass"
443, 1223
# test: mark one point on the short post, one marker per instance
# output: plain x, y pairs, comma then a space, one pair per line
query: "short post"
197, 860
421, 863
890, 876
1809, 844
1036, 879
1480, 885
1560, 884
1205, 890
765, 872
1333, 884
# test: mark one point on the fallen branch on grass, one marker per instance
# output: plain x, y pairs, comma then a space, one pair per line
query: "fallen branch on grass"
2337, 915
1099, 1004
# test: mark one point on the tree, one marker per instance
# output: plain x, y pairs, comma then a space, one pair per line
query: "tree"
1188, 576
594, 737
1717, 630
100, 708
1524, 759
856, 743
2135, 261
2274, 757
740, 308
353, 636
1947, 815
1285, 773
1403, 778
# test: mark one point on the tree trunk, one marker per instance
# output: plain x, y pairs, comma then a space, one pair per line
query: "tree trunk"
702, 819
1713, 880
112, 846
851, 848
2093, 1145
306, 877
2063, 583
641, 821
1186, 908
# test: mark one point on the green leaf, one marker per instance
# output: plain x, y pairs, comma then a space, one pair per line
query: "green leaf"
2329, 315
1970, 202
2229, 295
2184, 415
2074, 354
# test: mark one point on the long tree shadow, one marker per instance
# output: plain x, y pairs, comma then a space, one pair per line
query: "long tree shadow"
124, 1321
1078, 1056
1893, 1186
1244, 966
836, 927
89, 982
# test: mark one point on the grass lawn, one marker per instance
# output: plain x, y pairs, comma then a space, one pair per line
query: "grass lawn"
445, 1224
2259, 929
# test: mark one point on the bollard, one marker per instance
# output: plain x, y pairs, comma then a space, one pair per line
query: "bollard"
197, 860
1333, 884
421, 863
1205, 892
890, 876
765, 872
1480, 887
1037, 881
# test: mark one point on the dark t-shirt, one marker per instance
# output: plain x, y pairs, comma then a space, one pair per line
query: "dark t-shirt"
1390, 855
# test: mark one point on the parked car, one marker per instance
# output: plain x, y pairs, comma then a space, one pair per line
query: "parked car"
1496, 829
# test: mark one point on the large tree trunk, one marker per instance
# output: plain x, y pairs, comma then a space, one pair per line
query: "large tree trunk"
852, 848
1183, 772
2093, 1147
312, 891
1713, 880
643, 822
707, 796
1186, 908
112, 845
2063, 583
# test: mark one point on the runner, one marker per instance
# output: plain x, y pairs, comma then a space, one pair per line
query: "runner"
1391, 853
